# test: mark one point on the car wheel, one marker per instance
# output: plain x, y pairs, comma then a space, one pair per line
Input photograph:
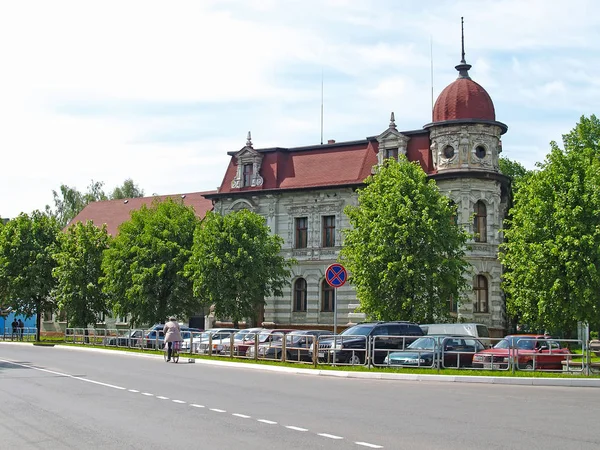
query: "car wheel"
528, 365
354, 360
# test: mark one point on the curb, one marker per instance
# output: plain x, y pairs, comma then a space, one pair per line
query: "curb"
515, 381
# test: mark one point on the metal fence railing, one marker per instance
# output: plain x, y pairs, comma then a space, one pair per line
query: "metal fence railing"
527, 353
19, 334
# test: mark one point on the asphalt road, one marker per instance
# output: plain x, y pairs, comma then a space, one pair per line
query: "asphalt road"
60, 398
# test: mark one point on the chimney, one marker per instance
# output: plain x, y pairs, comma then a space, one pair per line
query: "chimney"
331, 141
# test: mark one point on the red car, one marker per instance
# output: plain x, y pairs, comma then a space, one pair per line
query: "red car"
532, 351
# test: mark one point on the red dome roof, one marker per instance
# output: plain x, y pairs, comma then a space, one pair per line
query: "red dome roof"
464, 99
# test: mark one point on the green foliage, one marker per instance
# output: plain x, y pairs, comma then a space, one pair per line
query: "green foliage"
128, 190
78, 271
515, 171
26, 263
144, 265
404, 251
552, 251
236, 264
69, 201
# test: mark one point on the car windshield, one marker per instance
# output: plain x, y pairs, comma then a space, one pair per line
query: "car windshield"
522, 342
424, 343
357, 330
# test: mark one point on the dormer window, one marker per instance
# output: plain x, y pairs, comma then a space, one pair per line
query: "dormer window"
247, 171
391, 144
249, 162
391, 153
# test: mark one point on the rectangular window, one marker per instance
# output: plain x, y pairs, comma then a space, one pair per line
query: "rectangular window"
391, 153
62, 316
47, 315
101, 318
452, 305
247, 181
301, 232
328, 231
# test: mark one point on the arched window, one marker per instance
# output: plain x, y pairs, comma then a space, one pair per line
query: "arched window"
300, 295
481, 295
480, 222
327, 297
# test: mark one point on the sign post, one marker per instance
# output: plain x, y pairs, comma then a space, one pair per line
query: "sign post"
336, 277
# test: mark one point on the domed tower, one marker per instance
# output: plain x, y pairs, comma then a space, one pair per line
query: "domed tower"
465, 147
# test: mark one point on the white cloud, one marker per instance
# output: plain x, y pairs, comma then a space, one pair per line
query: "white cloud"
160, 92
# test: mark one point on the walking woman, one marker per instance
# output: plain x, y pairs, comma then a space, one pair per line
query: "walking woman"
172, 334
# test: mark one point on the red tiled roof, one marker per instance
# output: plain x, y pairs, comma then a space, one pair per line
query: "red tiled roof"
325, 165
114, 212
463, 99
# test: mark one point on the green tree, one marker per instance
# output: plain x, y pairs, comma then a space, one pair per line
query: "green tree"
144, 265
236, 263
79, 259
404, 251
128, 190
26, 263
515, 171
69, 202
552, 248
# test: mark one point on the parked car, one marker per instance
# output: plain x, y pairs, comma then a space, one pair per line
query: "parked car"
458, 351
213, 340
264, 348
131, 339
155, 337
477, 330
531, 351
297, 345
187, 340
350, 346
264, 337
239, 341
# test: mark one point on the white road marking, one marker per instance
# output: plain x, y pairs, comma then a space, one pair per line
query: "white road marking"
148, 394
296, 428
87, 380
330, 436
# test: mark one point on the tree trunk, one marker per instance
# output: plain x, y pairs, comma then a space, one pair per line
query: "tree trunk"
38, 319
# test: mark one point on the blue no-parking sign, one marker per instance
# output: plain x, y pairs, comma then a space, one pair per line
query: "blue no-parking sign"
336, 275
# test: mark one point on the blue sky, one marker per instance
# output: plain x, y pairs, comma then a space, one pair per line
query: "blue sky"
160, 91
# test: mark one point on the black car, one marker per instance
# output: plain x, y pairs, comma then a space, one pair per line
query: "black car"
354, 343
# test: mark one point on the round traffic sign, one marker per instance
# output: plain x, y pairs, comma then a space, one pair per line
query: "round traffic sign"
336, 275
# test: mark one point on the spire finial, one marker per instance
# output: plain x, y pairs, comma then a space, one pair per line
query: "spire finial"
463, 67
249, 140
392, 121
462, 39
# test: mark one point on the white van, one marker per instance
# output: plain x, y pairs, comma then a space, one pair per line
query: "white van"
459, 329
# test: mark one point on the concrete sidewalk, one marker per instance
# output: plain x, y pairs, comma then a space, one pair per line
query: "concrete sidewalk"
522, 381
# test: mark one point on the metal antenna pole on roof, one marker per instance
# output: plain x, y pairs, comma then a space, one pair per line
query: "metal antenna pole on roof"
431, 57
321, 106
